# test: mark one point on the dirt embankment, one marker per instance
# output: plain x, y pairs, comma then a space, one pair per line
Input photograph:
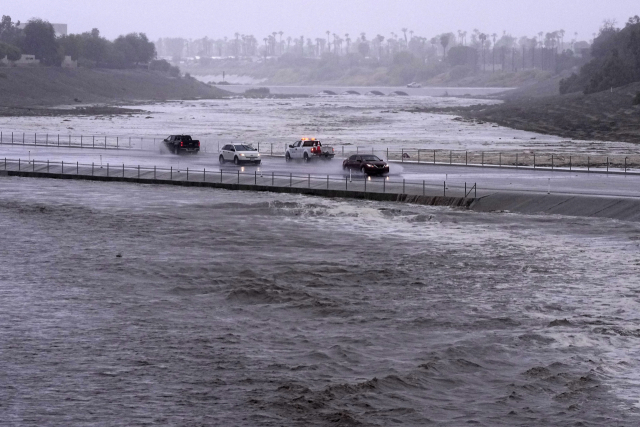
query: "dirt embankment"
606, 116
41, 87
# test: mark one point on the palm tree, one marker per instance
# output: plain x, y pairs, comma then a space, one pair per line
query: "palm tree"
483, 38
493, 53
289, 44
404, 30
346, 37
444, 41
237, 36
328, 42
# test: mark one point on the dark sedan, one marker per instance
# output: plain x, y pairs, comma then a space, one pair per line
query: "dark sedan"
368, 164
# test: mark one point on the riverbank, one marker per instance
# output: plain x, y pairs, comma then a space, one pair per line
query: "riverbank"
605, 116
49, 86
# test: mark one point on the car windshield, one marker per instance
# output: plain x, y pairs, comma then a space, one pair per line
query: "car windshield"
243, 148
311, 143
370, 158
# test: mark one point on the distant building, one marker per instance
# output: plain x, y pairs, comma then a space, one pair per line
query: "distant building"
69, 63
24, 61
60, 29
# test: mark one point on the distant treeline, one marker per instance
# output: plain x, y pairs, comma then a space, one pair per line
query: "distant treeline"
616, 60
89, 49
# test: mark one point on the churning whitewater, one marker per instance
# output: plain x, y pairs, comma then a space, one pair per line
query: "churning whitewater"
130, 304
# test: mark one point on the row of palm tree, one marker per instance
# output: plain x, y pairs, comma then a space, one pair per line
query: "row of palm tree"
275, 44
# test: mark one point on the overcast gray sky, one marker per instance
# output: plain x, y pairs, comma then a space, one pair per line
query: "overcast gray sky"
214, 18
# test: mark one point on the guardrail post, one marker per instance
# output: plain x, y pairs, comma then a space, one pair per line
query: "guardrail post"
171, 174
46, 139
35, 139
625, 165
475, 190
466, 159
91, 168
403, 186
123, 170
384, 185
569, 163
309, 181
5, 163
22, 138
255, 177
516, 160
238, 176
450, 156
500, 159
117, 142
444, 189
418, 155
58, 140
346, 183
33, 166
11, 138
272, 179
588, 164
365, 182
105, 141
402, 156
187, 174
61, 170
47, 166
327, 182
465, 189
138, 171
552, 162
434, 157
423, 192
534, 159
290, 180
204, 174
154, 172
387, 153
482, 164
77, 168
607, 164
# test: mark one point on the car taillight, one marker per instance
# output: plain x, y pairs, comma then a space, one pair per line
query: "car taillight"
198, 143
181, 144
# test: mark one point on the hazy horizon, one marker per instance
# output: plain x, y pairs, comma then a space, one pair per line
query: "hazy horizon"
198, 18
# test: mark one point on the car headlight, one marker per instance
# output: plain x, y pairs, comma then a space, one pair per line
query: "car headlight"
242, 154
258, 154
369, 166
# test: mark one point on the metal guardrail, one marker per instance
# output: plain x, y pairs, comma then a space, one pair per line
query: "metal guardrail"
358, 183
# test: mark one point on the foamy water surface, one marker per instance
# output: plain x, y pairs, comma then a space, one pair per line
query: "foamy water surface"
129, 304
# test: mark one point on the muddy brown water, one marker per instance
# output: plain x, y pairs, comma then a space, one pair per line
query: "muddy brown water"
132, 305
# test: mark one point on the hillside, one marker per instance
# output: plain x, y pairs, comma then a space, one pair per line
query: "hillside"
608, 115
48, 86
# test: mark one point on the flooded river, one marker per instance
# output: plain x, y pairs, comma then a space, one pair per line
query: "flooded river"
130, 305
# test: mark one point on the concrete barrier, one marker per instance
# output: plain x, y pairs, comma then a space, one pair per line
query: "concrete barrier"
461, 202
621, 208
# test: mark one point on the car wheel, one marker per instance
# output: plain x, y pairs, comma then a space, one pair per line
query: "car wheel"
236, 160
287, 157
306, 157
221, 159
258, 162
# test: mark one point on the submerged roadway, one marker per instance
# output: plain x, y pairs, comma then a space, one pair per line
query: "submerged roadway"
488, 179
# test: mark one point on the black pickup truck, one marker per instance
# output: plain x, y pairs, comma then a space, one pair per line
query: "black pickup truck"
182, 143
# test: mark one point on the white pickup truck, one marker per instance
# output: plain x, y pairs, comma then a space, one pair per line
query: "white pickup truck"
307, 149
